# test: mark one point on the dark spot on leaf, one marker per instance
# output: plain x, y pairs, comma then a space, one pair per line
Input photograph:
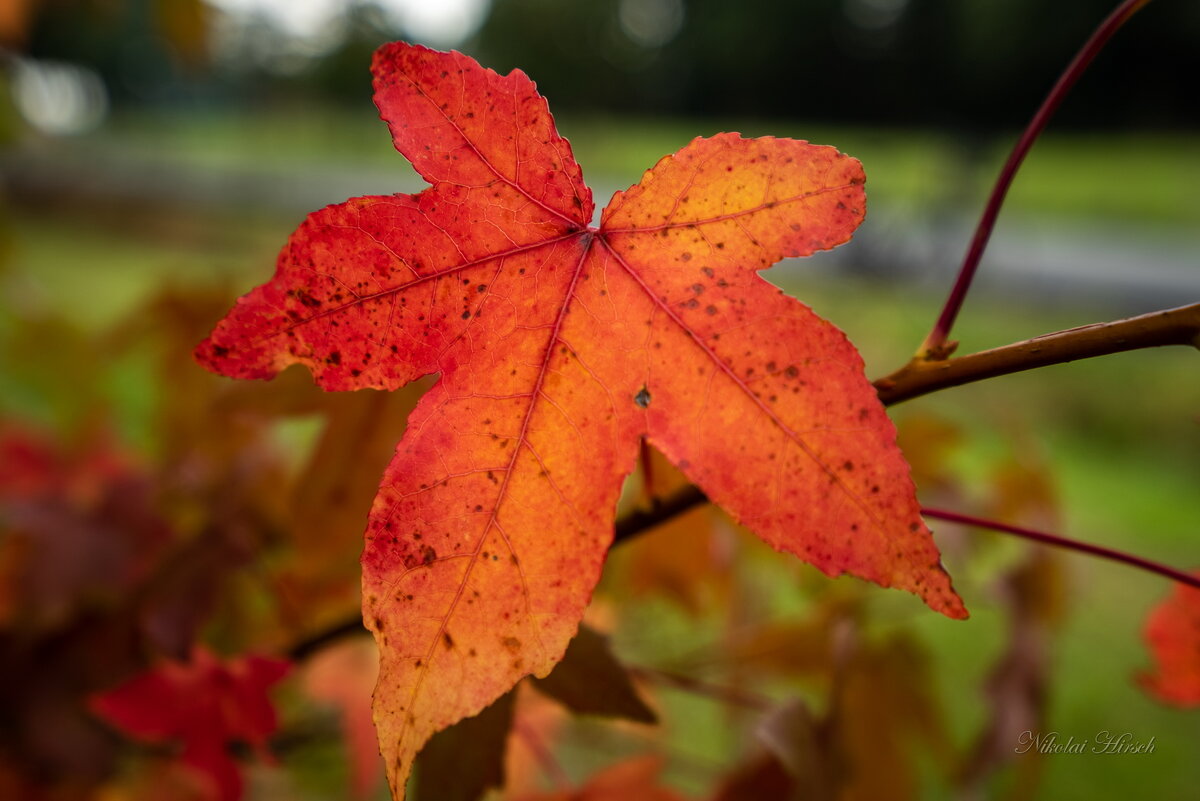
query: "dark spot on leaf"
307, 299
642, 398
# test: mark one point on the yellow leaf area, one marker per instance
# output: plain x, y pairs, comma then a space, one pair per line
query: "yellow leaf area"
559, 346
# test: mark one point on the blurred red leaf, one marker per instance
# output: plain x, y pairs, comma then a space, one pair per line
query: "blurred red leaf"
79, 527
204, 706
1173, 634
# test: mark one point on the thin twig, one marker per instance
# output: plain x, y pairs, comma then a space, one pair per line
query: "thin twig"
315, 642
664, 509
719, 692
934, 346
1064, 542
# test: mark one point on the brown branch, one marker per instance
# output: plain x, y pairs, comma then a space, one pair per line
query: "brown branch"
1172, 327
351, 625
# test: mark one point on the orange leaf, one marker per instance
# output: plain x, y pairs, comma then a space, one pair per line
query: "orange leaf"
558, 346
1173, 633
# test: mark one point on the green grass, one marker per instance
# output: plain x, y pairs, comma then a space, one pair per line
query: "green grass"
1141, 177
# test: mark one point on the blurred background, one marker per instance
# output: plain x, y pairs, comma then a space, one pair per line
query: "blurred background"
155, 154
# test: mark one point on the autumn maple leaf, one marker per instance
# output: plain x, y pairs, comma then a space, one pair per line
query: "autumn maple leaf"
559, 345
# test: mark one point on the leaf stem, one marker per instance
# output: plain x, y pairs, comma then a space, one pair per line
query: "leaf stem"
1058, 541
1179, 326
935, 344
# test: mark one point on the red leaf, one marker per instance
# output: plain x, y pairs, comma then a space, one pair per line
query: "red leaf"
1173, 633
559, 346
205, 705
